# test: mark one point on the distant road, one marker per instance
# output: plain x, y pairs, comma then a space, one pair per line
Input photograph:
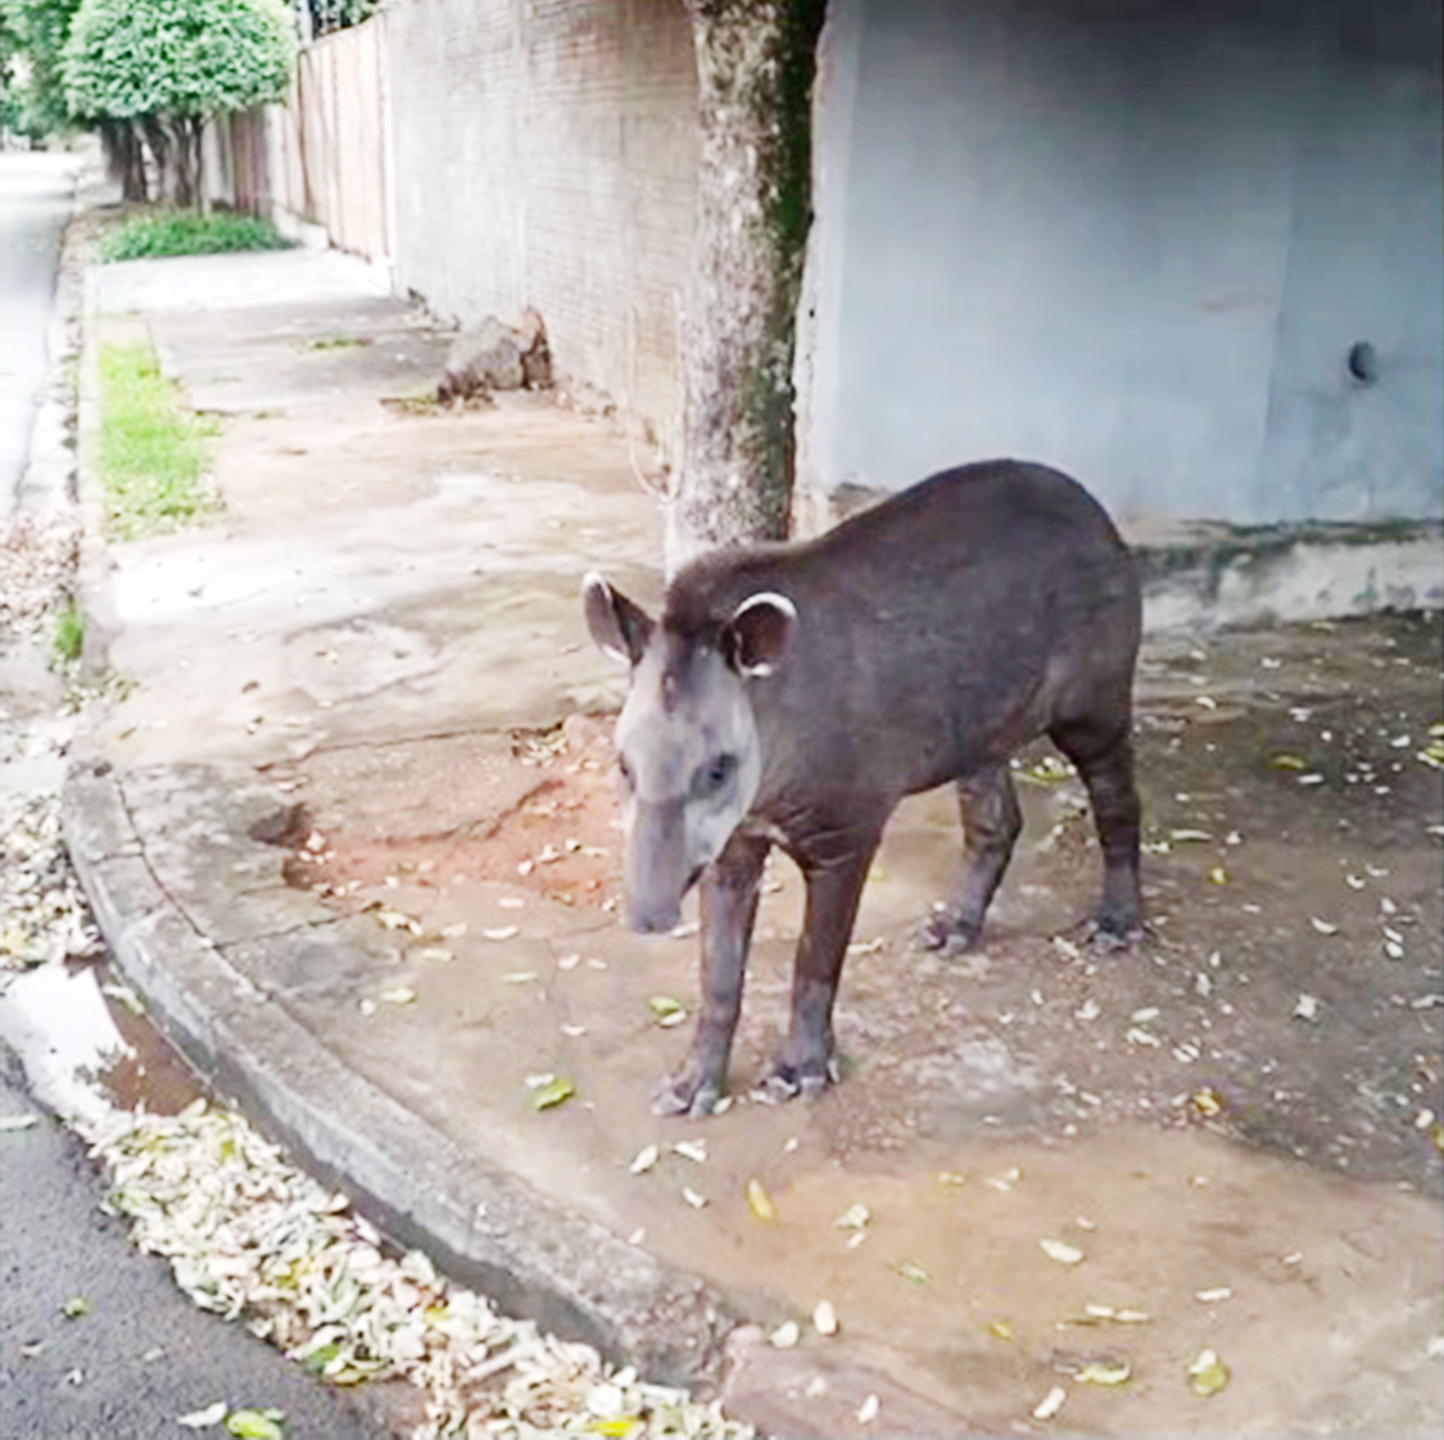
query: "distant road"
35, 199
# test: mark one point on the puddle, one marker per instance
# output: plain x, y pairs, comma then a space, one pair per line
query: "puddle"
86, 1052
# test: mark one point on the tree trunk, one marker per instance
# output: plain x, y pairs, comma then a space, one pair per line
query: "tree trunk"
162, 151
187, 158
755, 65
124, 159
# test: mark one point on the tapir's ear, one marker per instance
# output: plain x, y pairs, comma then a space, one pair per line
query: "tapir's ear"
756, 638
619, 628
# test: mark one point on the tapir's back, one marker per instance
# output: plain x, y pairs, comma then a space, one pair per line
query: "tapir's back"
935, 628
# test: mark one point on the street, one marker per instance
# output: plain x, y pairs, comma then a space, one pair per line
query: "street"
35, 195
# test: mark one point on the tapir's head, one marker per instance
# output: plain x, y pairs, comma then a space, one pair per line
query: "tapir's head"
688, 755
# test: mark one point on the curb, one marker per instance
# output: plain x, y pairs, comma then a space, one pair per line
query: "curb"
92, 576
480, 1225
47, 483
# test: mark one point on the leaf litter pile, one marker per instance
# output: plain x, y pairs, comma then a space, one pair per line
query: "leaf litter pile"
251, 1238
43, 913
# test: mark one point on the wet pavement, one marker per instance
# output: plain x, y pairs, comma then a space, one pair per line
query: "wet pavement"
347, 846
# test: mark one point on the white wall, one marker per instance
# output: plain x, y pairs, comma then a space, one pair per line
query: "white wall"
1135, 238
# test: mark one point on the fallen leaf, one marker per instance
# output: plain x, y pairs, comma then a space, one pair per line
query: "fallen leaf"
400, 995
693, 1198
12, 1124
1212, 1297
201, 1419
1323, 926
1050, 1404
437, 954
1207, 1102
1061, 1251
621, 1425
1001, 1330
855, 1217
760, 1202
785, 1336
645, 1158
914, 1273
502, 932
548, 1097
951, 1177
1306, 1008
1288, 762
1207, 1375
255, 1424
694, 1150
666, 1011
824, 1318
75, 1308
1096, 1372
1218, 876
867, 1411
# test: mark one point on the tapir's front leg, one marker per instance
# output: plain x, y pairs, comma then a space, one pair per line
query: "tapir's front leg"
728, 891
834, 888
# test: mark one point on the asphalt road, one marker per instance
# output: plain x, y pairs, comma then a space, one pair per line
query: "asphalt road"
35, 198
143, 1355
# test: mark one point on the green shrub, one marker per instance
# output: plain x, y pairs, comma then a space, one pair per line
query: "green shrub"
67, 633
159, 233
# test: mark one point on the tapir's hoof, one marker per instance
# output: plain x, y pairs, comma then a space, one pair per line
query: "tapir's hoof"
810, 1079
1111, 937
945, 934
685, 1095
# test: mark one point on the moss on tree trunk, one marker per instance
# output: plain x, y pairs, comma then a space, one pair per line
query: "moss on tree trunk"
755, 65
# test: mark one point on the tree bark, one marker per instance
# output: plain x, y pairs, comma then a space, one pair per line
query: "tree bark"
125, 160
162, 151
755, 65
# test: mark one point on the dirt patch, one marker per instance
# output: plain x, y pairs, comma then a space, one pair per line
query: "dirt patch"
542, 817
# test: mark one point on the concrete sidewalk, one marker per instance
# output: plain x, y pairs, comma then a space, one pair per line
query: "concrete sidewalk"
349, 830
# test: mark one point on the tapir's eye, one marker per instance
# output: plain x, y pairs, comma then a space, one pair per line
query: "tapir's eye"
625, 771
717, 774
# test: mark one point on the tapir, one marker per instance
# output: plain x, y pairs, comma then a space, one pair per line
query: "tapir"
793, 694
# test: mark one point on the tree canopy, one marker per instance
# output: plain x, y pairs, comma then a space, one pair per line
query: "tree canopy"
177, 58
32, 37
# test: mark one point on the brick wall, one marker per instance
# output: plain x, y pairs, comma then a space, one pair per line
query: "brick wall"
545, 156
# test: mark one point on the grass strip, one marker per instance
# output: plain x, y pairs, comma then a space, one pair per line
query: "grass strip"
153, 452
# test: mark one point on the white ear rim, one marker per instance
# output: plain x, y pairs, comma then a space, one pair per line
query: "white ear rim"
593, 580
762, 597
780, 602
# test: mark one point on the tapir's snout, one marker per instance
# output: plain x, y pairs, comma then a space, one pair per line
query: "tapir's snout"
657, 874
653, 919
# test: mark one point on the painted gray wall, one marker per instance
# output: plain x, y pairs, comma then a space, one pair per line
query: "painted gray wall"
1135, 238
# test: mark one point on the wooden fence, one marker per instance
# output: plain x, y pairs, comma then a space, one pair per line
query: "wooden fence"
321, 156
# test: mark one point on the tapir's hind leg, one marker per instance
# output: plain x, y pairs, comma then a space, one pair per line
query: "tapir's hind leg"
1103, 753
991, 822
